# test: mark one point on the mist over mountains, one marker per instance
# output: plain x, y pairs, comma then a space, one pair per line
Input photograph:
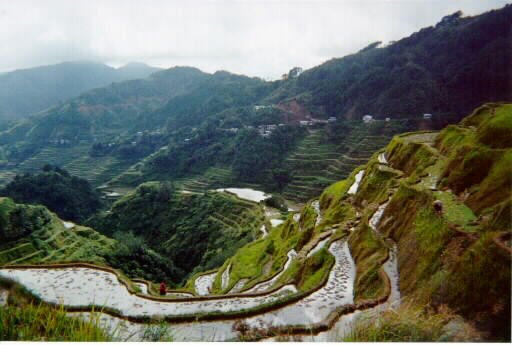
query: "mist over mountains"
346, 202
27, 91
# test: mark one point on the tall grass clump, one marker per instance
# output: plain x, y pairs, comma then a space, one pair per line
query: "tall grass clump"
411, 323
43, 323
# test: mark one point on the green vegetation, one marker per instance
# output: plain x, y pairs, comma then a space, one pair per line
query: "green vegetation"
378, 80
189, 232
484, 171
70, 197
253, 158
329, 154
43, 323
445, 257
314, 269
25, 318
411, 323
204, 120
197, 131
47, 85
31, 234
369, 252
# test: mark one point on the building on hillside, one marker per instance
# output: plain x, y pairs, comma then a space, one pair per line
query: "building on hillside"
266, 130
305, 123
332, 119
367, 118
388, 119
427, 116
259, 107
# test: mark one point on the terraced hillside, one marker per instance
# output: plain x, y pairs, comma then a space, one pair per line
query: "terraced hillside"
97, 170
171, 222
52, 240
308, 163
132, 176
212, 178
422, 221
238, 216
6, 175
317, 163
55, 155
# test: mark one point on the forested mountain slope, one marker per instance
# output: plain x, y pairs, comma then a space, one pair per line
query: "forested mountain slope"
447, 70
72, 198
423, 226
193, 121
436, 205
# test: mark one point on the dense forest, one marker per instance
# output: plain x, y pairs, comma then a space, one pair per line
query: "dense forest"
72, 198
447, 69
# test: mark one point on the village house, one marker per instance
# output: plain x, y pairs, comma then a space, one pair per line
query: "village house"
258, 107
367, 118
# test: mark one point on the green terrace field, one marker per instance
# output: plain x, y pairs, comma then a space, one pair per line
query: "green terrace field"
6, 176
97, 170
214, 177
132, 176
316, 163
54, 242
55, 155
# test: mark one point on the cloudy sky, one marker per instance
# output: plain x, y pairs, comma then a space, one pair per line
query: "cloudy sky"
253, 37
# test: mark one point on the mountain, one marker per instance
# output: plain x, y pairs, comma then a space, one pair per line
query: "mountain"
446, 70
27, 91
413, 245
135, 70
179, 123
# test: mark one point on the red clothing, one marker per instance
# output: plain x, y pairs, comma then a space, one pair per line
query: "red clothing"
163, 288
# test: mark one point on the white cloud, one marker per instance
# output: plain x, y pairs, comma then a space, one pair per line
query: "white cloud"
261, 38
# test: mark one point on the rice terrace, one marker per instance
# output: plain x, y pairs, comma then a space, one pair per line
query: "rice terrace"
363, 198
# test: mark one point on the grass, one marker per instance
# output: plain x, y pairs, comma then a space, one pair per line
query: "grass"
411, 323
369, 253
479, 159
248, 262
39, 322
432, 236
495, 131
496, 186
455, 212
481, 281
315, 268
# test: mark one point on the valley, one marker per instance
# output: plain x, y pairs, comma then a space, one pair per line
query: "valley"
365, 199
347, 255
